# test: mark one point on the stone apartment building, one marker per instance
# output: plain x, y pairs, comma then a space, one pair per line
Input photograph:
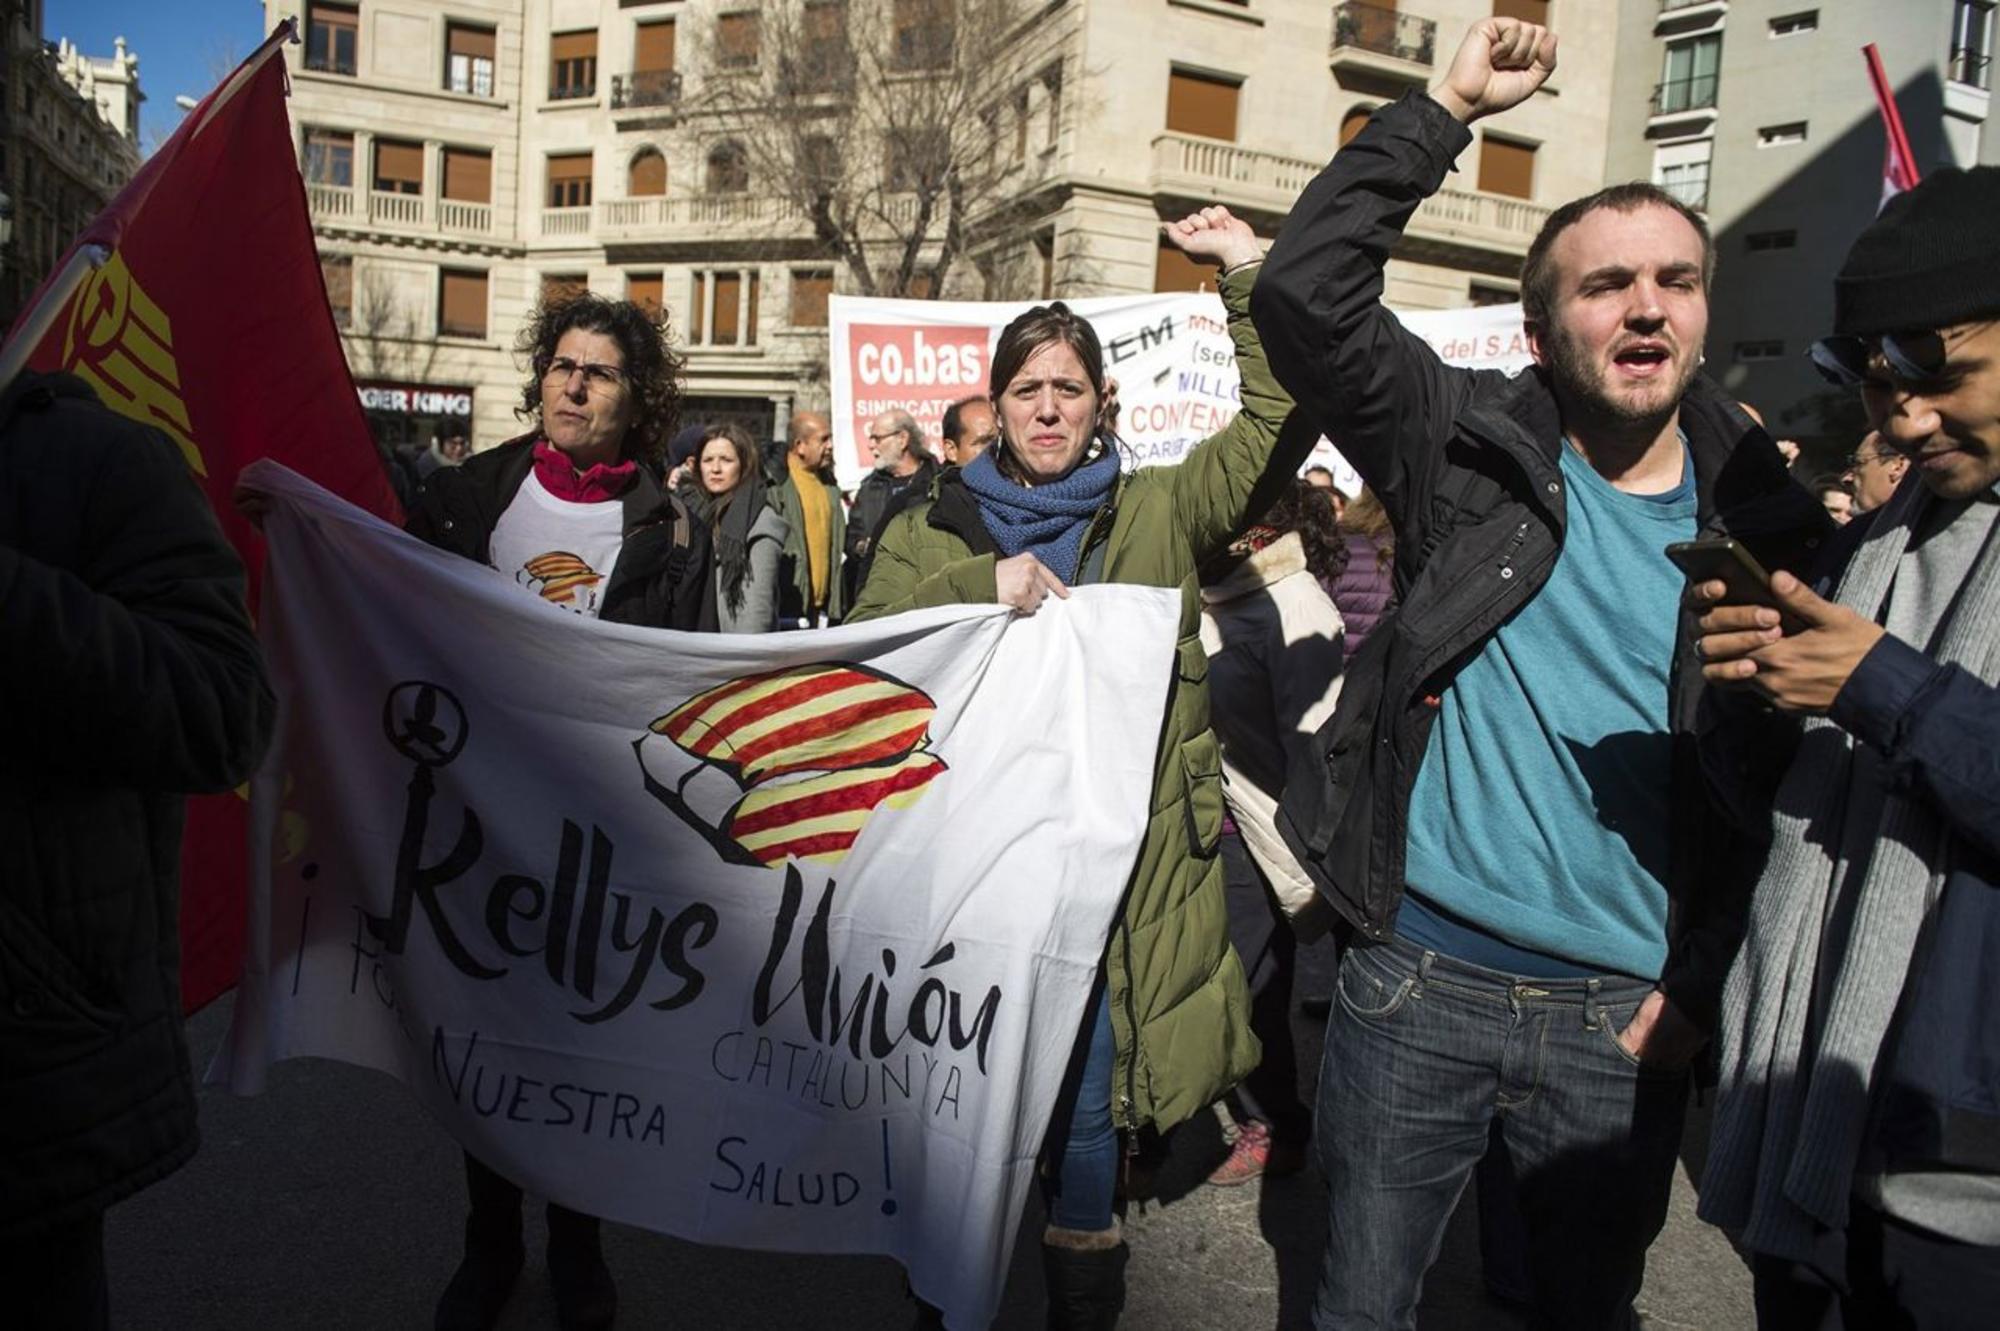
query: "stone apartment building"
1760, 113
462, 157
69, 140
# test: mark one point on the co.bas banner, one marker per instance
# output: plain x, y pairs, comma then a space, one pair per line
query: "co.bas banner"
1170, 353
777, 941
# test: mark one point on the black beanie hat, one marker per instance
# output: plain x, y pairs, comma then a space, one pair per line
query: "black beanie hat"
1932, 259
687, 441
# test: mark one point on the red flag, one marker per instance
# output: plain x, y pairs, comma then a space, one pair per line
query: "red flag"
195, 303
1899, 164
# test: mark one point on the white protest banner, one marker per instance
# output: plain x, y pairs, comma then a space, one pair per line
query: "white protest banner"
1171, 356
778, 941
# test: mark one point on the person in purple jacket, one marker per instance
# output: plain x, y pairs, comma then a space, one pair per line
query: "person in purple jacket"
1365, 587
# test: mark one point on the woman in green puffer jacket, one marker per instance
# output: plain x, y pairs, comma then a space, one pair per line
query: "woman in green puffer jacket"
1047, 507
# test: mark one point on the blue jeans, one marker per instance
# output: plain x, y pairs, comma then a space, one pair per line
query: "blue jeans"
1423, 1054
1080, 1156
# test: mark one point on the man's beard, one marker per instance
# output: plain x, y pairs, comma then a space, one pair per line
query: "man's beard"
1578, 379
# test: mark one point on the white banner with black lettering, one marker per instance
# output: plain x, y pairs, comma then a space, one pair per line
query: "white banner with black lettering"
1170, 353
777, 941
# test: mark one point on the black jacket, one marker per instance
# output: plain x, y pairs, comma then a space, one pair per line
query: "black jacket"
1467, 465
879, 497
662, 578
134, 679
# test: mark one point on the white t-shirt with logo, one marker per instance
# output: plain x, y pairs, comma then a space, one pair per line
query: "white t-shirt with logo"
562, 551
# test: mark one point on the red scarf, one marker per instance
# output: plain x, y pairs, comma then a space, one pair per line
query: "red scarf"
605, 481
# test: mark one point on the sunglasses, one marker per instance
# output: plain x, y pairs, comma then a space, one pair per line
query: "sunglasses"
1844, 360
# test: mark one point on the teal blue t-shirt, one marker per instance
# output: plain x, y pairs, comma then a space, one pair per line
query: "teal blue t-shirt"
1540, 815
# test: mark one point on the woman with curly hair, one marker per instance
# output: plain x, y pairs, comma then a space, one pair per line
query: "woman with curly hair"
749, 534
570, 513
567, 509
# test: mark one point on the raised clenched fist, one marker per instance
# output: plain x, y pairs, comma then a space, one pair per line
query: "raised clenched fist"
1499, 65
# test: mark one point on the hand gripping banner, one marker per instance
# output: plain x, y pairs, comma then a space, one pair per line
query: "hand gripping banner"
777, 941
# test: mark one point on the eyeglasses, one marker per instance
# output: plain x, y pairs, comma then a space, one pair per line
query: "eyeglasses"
599, 378
1856, 461
1917, 356
886, 434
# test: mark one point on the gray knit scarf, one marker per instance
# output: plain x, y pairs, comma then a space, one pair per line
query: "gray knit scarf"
1796, 1084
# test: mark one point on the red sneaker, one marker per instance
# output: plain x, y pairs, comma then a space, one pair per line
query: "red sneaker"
1247, 1159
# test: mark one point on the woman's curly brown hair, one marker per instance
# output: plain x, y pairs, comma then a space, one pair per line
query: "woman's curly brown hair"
653, 368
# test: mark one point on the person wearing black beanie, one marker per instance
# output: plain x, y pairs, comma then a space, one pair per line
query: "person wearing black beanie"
1856, 1146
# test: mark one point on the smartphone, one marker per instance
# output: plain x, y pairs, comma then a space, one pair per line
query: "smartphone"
1719, 559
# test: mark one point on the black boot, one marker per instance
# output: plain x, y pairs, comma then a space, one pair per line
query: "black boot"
485, 1277
1085, 1274
586, 1297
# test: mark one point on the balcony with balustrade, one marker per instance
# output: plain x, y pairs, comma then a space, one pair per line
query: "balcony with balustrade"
1187, 168
1378, 41
422, 216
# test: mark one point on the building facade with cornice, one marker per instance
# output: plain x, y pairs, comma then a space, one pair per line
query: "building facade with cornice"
461, 158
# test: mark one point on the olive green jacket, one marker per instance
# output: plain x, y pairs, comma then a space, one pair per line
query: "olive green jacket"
1179, 1008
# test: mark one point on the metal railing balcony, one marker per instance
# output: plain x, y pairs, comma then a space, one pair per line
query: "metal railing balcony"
645, 87
1677, 96
1385, 32
1973, 68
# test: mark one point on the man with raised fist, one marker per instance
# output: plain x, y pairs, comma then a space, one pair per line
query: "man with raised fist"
1506, 809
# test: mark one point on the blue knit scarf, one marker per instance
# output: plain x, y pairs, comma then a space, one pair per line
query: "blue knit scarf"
1047, 521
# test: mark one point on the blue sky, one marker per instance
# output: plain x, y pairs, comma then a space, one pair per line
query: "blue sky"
184, 46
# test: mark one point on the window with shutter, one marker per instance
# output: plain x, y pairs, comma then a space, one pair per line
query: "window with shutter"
1202, 104
572, 65
333, 37
737, 40
399, 167
653, 48
728, 296
469, 60
646, 177
329, 158
468, 175
1352, 123
461, 303
1506, 168
1174, 271
338, 272
647, 291
809, 299
569, 180
1528, 11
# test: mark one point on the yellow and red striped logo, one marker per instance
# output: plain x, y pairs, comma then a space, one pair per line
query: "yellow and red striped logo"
559, 574
816, 749
811, 718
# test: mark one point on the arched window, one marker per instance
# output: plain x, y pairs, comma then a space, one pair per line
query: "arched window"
1351, 123
646, 177
728, 169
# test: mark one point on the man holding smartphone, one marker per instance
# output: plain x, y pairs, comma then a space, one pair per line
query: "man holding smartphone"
1857, 1139
1506, 810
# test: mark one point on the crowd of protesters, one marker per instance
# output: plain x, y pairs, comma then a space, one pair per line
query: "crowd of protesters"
1589, 828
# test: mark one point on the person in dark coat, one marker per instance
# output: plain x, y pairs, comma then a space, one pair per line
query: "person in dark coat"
136, 680
572, 511
1856, 1151
1507, 808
